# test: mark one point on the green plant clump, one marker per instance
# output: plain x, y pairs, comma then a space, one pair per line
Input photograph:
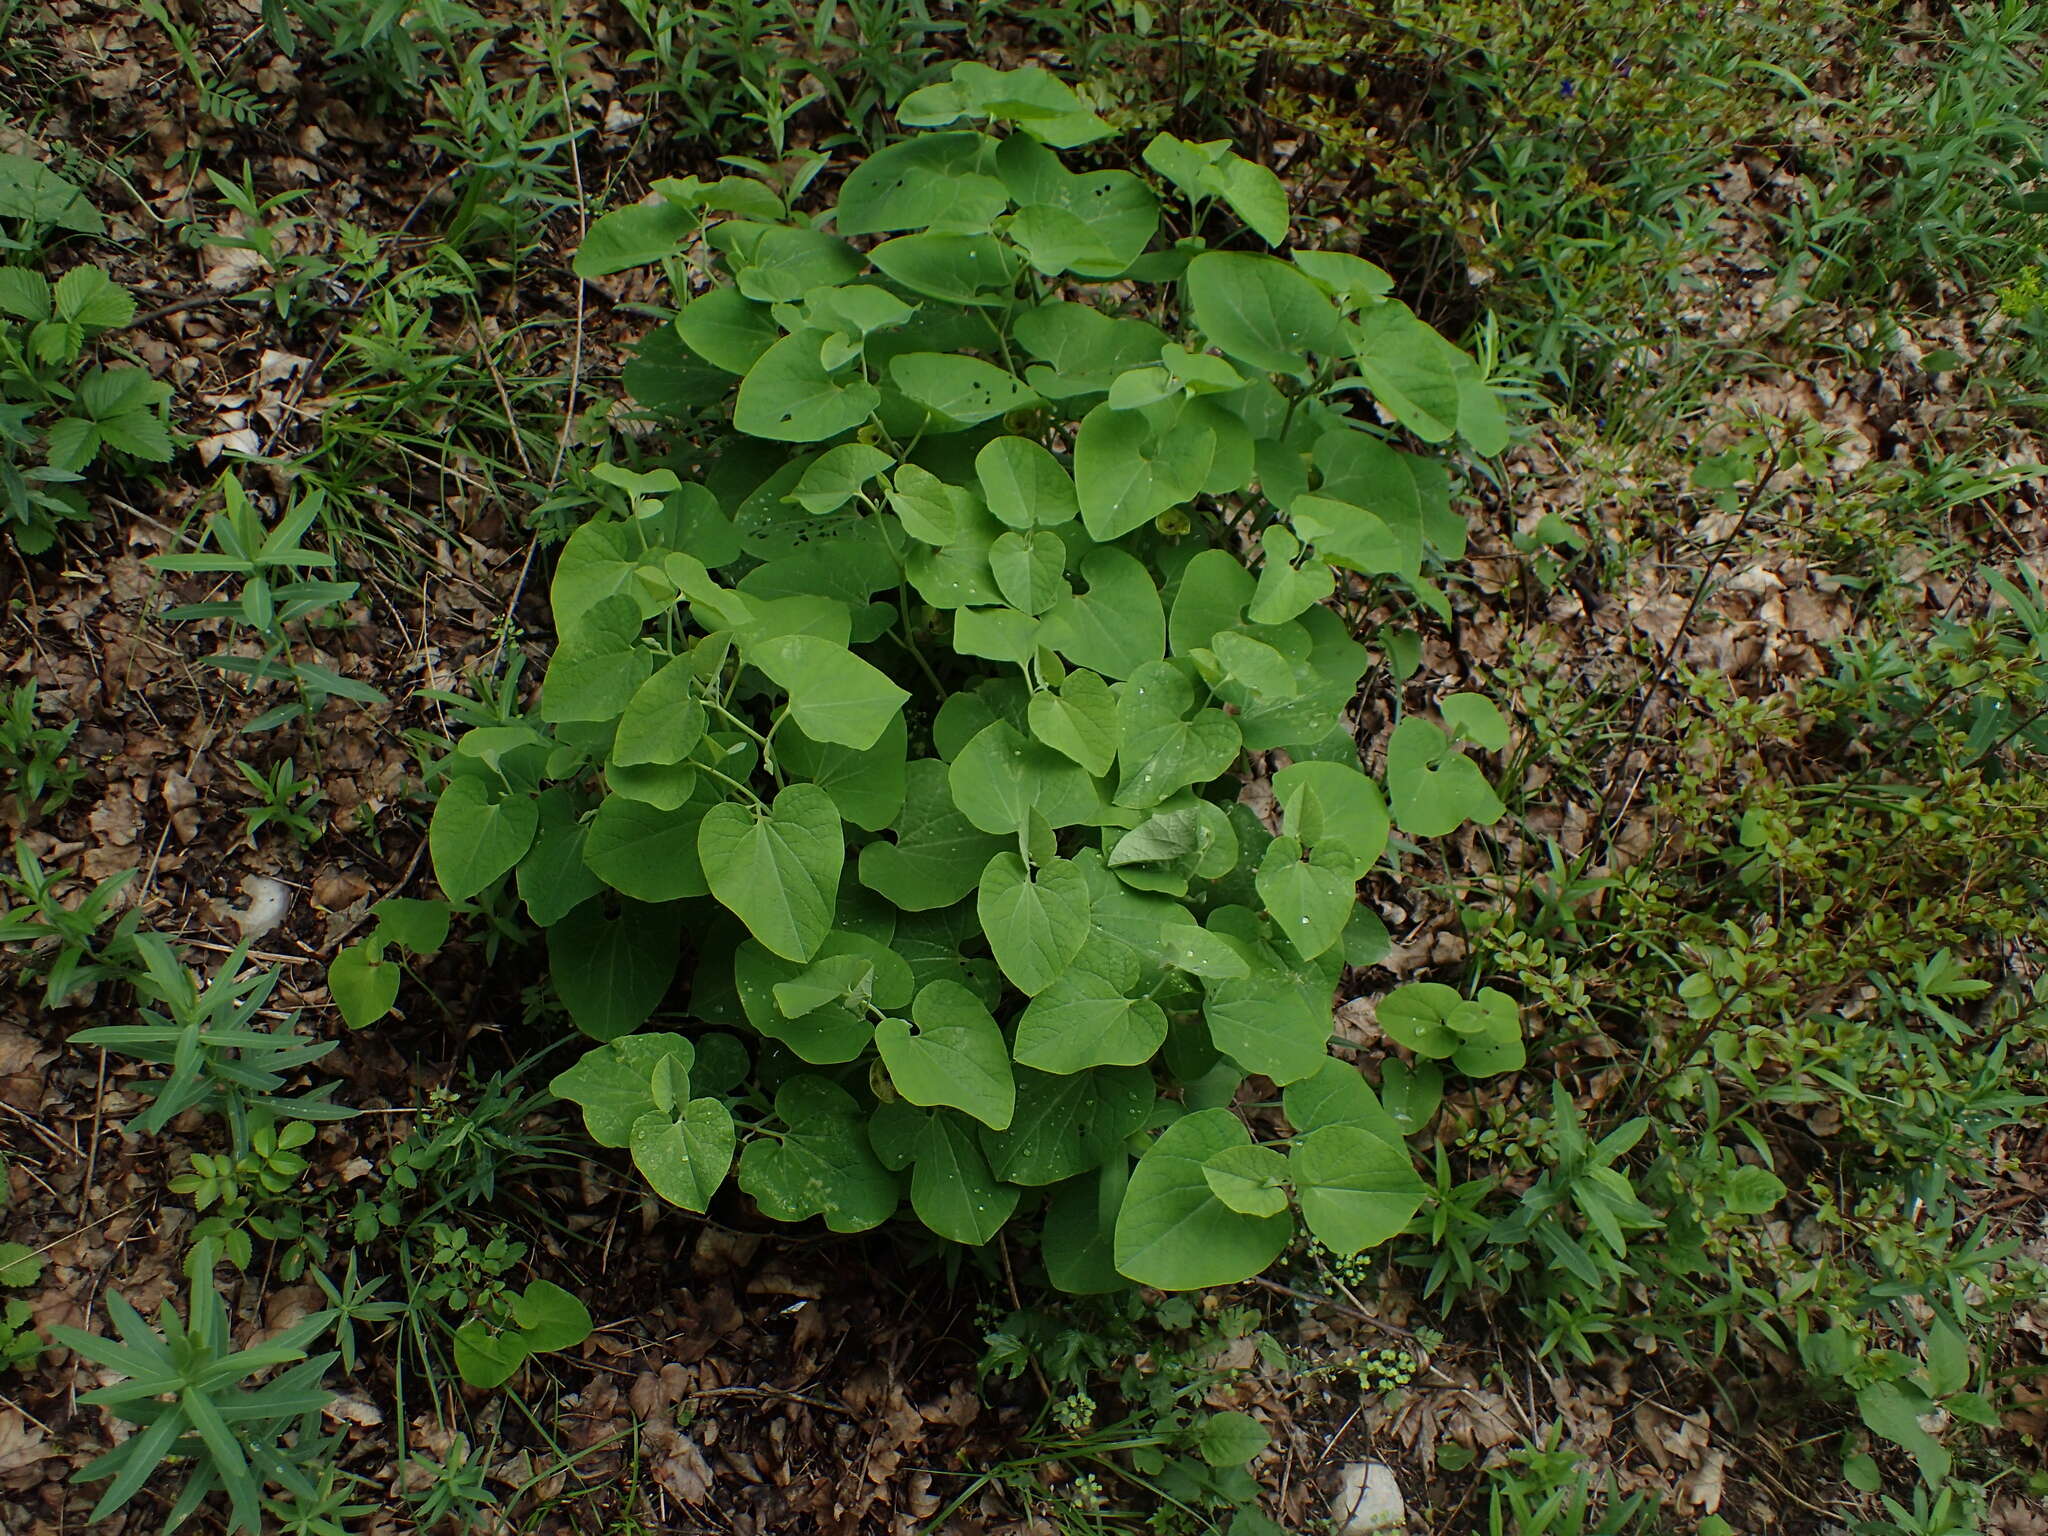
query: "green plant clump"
919, 719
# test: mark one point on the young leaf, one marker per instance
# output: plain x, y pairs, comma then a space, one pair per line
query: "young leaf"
1435, 787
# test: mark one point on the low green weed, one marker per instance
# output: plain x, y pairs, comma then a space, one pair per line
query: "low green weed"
875, 720
33, 756
268, 606
182, 1385
58, 417
1126, 1438
61, 940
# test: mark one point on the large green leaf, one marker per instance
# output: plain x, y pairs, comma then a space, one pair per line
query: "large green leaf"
1435, 787
634, 237
1173, 1233
834, 696
961, 269
1355, 1189
1409, 368
821, 1165
953, 1055
727, 329
1130, 466
663, 721
867, 786
938, 855
685, 1157
933, 180
1000, 777
1066, 1123
477, 836
1330, 806
612, 971
1078, 722
951, 1188
646, 852
960, 391
1160, 749
1309, 902
1271, 1021
1117, 625
1338, 1094
1036, 921
777, 870
1024, 483
1263, 311
789, 396
1089, 1018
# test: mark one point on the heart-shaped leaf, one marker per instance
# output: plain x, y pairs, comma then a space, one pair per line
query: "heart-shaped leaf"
777, 870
